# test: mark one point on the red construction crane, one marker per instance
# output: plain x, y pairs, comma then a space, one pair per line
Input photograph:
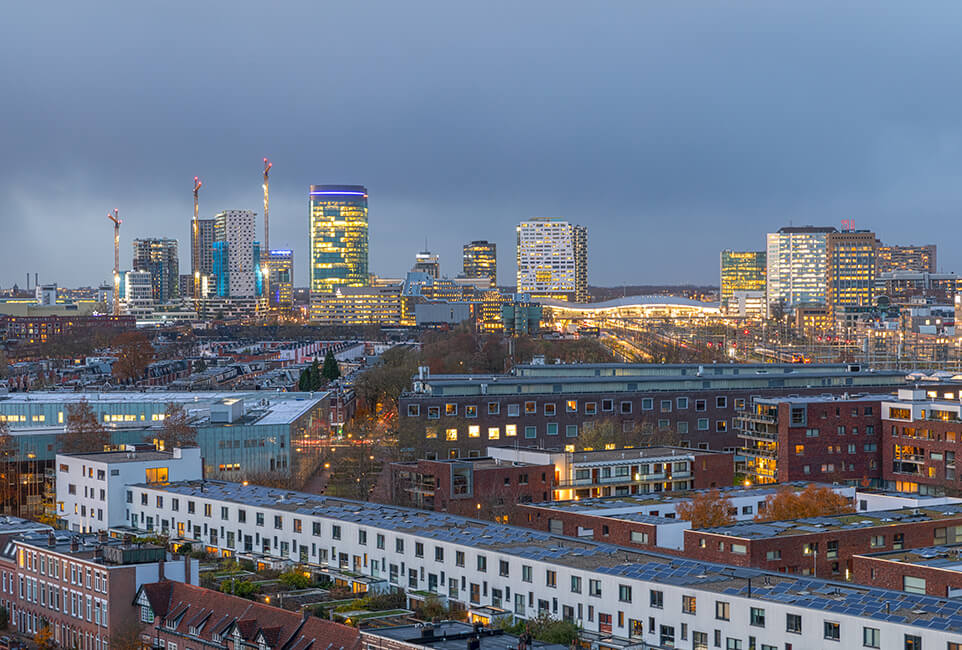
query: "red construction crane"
113, 217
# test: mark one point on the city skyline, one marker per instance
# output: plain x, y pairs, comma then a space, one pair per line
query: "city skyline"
674, 155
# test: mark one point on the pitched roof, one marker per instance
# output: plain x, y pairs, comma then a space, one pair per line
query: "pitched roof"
185, 605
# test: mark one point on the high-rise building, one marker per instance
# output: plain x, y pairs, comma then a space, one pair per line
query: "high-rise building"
339, 237
427, 262
205, 229
138, 293
741, 271
160, 258
236, 255
553, 259
850, 268
480, 260
920, 259
796, 266
281, 285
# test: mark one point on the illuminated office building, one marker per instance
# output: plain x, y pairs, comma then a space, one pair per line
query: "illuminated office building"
480, 260
159, 257
339, 237
553, 259
741, 271
796, 266
920, 259
281, 285
427, 262
850, 268
205, 229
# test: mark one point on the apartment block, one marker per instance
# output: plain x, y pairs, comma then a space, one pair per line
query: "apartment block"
933, 570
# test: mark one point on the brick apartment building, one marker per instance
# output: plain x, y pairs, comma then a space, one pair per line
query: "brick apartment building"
177, 615
922, 439
471, 487
934, 570
549, 405
832, 438
824, 546
81, 586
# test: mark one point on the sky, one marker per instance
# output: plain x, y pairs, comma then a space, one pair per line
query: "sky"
671, 130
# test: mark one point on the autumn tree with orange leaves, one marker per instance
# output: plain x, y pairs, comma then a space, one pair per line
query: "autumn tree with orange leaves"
813, 501
707, 510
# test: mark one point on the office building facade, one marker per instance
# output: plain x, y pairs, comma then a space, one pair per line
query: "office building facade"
339, 237
480, 260
796, 260
741, 271
850, 268
205, 243
920, 259
236, 255
160, 258
552, 259
281, 285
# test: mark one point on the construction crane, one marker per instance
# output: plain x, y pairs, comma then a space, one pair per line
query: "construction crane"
116, 219
195, 245
266, 250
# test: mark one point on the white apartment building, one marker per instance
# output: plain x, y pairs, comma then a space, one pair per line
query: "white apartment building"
553, 259
621, 597
237, 229
90, 487
138, 293
797, 264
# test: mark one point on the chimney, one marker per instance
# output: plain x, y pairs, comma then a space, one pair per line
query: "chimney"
74, 544
187, 571
160, 570
51, 539
102, 536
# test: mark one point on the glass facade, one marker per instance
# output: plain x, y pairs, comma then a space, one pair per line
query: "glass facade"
851, 262
742, 271
796, 266
480, 260
339, 237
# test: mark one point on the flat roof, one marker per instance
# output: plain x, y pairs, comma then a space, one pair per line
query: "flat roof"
947, 558
114, 457
826, 399
799, 591
848, 521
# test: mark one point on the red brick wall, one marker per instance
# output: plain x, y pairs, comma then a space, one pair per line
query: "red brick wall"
888, 574
793, 560
713, 470
827, 456
939, 432
619, 530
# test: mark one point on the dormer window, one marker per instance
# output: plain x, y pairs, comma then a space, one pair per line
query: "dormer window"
146, 614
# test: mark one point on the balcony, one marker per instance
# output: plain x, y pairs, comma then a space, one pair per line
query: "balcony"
758, 417
755, 452
749, 434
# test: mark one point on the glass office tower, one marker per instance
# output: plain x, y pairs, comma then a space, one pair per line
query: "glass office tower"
339, 237
741, 271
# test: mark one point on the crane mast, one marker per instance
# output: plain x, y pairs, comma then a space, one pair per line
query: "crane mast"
116, 220
195, 244
266, 250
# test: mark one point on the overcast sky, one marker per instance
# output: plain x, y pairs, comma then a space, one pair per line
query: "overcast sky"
670, 129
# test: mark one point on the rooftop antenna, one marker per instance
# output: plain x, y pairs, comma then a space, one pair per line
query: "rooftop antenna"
116, 219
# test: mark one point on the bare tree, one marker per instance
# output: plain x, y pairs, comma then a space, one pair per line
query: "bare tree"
84, 432
177, 430
134, 354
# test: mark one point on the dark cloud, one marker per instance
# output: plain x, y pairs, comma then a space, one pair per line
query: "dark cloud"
671, 130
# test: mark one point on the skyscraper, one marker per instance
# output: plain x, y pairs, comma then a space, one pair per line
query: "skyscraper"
480, 260
427, 262
206, 228
553, 259
907, 258
281, 285
796, 266
236, 255
741, 271
850, 268
339, 237
159, 257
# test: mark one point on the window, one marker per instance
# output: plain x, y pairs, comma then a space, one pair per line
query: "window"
757, 617
665, 406
733, 644
336, 532
494, 433
503, 568
471, 411
703, 424
688, 604
494, 408
438, 554
451, 435
722, 610
549, 409
913, 642
913, 585
571, 430
870, 637
511, 430
525, 573
531, 408
459, 558
594, 588
575, 584
793, 623
434, 412
831, 631
530, 432
550, 578
571, 406
514, 410
551, 429
639, 537
656, 599
450, 409
721, 402
591, 408
607, 405
414, 410
474, 431
877, 541
721, 426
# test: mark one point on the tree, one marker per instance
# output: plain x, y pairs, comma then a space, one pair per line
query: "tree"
200, 365
177, 430
84, 432
44, 638
600, 435
314, 373
331, 370
706, 510
134, 353
813, 501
